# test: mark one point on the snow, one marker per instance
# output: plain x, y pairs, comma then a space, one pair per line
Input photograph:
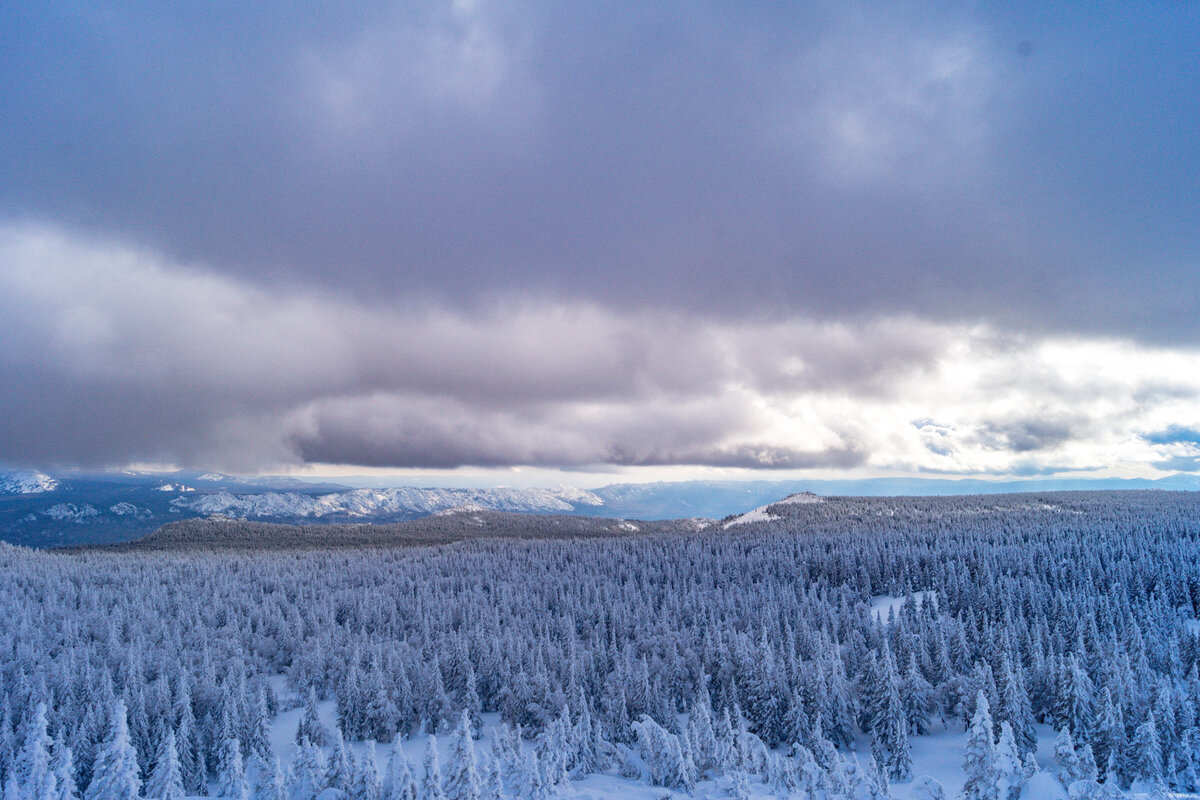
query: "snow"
125, 509
591, 787
465, 508
211, 477
173, 487
1192, 626
938, 755
26, 482
1044, 786
69, 511
763, 514
800, 499
883, 606
386, 502
757, 515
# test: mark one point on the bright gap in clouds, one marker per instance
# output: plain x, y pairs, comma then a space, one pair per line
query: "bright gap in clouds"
116, 355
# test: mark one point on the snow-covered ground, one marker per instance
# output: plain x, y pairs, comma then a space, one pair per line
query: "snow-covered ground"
882, 606
938, 754
757, 515
26, 482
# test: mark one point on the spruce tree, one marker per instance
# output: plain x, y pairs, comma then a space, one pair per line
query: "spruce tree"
1066, 758
310, 728
231, 775
306, 777
339, 774
115, 772
35, 777
1009, 770
1017, 709
979, 761
916, 693
431, 780
1108, 738
258, 728
166, 779
701, 736
1147, 767
365, 785
64, 771
462, 780
266, 778
491, 786
399, 783
889, 731
191, 754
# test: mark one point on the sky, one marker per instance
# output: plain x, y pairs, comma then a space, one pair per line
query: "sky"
646, 240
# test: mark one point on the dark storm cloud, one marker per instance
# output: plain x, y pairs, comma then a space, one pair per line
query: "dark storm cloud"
113, 355
732, 159
1028, 434
388, 431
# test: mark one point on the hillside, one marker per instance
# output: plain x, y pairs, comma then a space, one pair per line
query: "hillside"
441, 528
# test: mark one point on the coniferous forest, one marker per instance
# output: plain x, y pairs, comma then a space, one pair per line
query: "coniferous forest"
801, 653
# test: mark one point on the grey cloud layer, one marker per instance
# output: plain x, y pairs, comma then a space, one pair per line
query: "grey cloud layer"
115, 355
736, 160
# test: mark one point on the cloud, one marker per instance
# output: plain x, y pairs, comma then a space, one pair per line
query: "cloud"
116, 354
1027, 433
834, 162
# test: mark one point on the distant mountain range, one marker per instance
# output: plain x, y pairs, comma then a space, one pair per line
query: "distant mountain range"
43, 509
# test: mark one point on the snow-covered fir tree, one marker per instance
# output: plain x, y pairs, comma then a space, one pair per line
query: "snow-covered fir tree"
431, 778
166, 779
115, 774
231, 776
979, 760
462, 774
399, 782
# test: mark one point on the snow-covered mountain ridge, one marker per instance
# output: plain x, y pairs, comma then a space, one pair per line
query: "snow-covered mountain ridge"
385, 502
26, 482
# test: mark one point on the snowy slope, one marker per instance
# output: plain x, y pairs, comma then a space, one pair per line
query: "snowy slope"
763, 513
26, 482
